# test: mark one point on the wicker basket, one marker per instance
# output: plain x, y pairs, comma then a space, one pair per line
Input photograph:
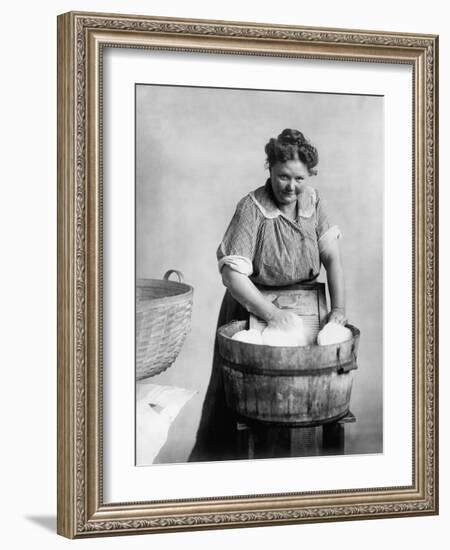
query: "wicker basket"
163, 318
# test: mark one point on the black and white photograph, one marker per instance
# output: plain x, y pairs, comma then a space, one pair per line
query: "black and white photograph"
259, 274
225, 248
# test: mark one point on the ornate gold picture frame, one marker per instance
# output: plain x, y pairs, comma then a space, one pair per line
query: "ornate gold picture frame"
83, 39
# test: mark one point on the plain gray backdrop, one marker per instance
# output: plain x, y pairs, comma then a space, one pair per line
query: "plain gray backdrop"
198, 151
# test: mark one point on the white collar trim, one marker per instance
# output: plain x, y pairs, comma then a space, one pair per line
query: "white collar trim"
264, 212
305, 210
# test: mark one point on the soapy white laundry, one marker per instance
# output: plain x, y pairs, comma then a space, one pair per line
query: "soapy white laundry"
333, 333
250, 336
294, 335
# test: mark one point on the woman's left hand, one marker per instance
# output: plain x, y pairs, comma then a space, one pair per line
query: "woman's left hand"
337, 316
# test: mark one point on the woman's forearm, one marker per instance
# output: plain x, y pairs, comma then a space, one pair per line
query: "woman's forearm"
335, 277
245, 292
330, 256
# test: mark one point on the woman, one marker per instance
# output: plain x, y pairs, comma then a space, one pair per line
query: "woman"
278, 236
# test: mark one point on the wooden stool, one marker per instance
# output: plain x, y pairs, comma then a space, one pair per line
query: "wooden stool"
262, 440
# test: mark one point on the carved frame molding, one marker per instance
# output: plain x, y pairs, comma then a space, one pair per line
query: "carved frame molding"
81, 37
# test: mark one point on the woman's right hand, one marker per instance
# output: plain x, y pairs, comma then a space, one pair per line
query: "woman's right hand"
282, 319
245, 292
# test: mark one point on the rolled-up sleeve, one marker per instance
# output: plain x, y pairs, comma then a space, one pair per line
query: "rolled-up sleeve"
237, 248
326, 233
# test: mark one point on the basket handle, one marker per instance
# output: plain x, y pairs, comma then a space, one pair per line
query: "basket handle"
167, 274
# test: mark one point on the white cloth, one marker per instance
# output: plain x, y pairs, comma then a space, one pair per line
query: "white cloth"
156, 408
333, 333
269, 336
250, 336
292, 336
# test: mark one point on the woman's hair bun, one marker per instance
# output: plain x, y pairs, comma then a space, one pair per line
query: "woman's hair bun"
295, 137
291, 144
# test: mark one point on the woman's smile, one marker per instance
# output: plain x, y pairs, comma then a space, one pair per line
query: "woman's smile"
287, 180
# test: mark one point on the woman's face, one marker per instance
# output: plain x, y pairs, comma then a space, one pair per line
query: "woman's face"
287, 179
